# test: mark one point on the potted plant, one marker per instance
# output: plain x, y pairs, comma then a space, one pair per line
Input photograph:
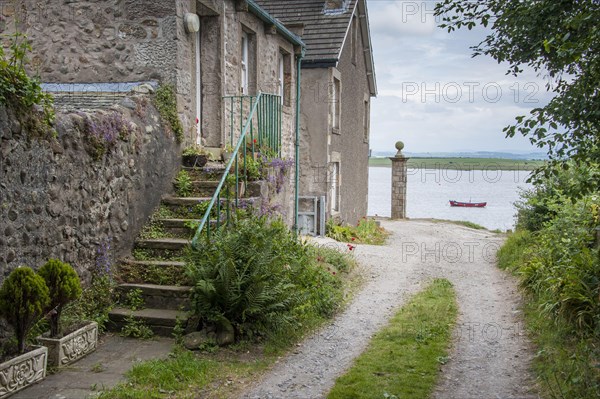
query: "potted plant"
194, 156
226, 152
70, 344
23, 299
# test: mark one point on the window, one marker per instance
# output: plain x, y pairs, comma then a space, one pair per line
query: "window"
336, 105
354, 39
366, 119
334, 187
284, 77
248, 62
245, 66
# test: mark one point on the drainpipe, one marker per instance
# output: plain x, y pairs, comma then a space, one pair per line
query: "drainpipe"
297, 144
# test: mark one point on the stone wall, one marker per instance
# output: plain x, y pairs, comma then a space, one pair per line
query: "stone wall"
97, 40
57, 201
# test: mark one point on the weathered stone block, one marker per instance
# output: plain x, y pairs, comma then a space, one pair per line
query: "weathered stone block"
149, 9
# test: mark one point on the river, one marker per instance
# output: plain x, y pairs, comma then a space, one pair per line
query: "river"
429, 190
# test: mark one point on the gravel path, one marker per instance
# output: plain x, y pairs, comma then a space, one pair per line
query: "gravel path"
490, 356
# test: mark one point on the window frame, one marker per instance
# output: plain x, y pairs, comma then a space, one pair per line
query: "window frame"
244, 66
336, 104
366, 118
354, 39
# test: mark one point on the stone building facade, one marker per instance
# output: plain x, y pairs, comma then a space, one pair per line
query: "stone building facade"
125, 41
338, 82
55, 201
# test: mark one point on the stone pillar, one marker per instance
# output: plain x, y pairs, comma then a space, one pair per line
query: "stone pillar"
399, 183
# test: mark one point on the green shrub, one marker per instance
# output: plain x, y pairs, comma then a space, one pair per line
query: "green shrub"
259, 278
241, 278
516, 250
23, 299
566, 268
251, 166
17, 89
165, 101
558, 187
559, 268
366, 231
183, 184
96, 299
135, 328
63, 283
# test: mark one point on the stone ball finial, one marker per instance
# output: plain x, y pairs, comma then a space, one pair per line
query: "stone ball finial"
399, 147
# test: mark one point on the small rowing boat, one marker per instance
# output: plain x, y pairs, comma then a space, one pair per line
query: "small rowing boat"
468, 204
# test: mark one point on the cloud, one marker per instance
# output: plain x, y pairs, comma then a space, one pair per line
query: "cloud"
393, 18
433, 95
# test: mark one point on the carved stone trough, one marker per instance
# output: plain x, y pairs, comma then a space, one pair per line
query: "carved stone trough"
22, 371
72, 347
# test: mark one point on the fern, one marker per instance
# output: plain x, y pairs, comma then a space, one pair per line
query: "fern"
242, 277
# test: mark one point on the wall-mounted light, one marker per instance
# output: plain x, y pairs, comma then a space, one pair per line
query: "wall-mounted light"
191, 22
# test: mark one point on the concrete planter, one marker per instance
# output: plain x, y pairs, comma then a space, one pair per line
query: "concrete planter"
226, 156
22, 371
70, 348
194, 161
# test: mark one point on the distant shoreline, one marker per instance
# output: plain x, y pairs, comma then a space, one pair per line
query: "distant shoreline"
461, 163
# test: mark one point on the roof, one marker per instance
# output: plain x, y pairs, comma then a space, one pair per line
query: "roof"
268, 18
324, 30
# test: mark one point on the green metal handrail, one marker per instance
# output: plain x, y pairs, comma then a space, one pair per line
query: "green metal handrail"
265, 113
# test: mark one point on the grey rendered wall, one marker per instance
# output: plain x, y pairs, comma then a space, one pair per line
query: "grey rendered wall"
350, 143
314, 131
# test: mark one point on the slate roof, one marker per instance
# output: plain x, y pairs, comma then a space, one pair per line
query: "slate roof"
323, 33
324, 30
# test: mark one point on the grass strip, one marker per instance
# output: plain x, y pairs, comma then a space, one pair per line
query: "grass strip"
403, 360
185, 374
462, 163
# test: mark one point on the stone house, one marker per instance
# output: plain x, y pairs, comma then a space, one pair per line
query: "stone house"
207, 49
338, 81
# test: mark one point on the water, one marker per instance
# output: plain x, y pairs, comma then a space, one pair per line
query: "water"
429, 191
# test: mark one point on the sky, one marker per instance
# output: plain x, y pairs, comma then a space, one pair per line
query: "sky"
433, 95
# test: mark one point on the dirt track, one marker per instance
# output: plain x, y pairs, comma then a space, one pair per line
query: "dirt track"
490, 355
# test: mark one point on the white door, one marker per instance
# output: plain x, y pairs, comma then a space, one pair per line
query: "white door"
198, 91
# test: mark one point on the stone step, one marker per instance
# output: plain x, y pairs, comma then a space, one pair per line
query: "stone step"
173, 244
172, 249
152, 272
170, 200
161, 321
159, 296
159, 263
182, 227
179, 227
194, 207
204, 188
208, 172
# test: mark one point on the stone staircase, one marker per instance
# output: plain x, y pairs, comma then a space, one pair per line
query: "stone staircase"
156, 270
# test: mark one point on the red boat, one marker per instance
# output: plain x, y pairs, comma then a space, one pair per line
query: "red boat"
468, 204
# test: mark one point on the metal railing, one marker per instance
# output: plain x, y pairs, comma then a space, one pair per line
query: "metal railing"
253, 125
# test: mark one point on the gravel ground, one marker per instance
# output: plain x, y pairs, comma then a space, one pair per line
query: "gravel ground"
490, 355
